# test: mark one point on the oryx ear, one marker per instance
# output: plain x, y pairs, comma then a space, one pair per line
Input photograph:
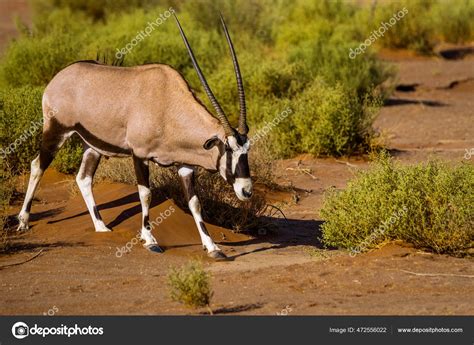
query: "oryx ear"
210, 143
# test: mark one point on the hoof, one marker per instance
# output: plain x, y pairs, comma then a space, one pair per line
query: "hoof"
22, 224
217, 255
153, 248
23, 227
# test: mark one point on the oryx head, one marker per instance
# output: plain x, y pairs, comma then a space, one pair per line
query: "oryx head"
233, 163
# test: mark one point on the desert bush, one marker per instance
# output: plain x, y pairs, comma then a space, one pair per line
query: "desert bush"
427, 23
454, 20
414, 31
69, 157
325, 120
190, 285
21, 122
20, 126
39, 53
430, 205
7, 188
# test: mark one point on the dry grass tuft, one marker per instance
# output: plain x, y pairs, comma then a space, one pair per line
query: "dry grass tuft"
191, 285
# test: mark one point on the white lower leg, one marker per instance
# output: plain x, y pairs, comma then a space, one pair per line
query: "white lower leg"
195, 207
85, 185
145, 199
35, 177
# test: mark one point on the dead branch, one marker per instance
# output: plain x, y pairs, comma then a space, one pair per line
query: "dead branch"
305, 171
438, 274
347, 163
22, 262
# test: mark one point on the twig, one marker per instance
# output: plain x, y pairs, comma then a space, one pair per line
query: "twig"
209, 309
22, 262
438, 274
278, 210
304, 170
347, 163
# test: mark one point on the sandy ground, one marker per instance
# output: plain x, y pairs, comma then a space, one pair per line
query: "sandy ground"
79, 272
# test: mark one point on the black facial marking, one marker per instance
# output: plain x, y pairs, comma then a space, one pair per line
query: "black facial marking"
241, 139
228, 169
242, 169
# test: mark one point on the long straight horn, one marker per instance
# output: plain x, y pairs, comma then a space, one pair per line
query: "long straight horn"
243, 128
220, 113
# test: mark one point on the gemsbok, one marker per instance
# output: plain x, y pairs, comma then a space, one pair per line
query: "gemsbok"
148, 112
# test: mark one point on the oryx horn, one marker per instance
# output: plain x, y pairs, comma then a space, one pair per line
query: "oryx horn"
220, 113
243, 128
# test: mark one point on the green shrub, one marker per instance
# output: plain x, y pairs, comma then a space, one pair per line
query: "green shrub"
7, 188
426, 23
54, 42
190, 285
429, 205
69, 157
21, 123
325, 120
455, 20
414, 31
20, 126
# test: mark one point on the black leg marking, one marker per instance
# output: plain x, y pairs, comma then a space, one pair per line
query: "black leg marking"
28, 205
142, 171
204, 229
96, 213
